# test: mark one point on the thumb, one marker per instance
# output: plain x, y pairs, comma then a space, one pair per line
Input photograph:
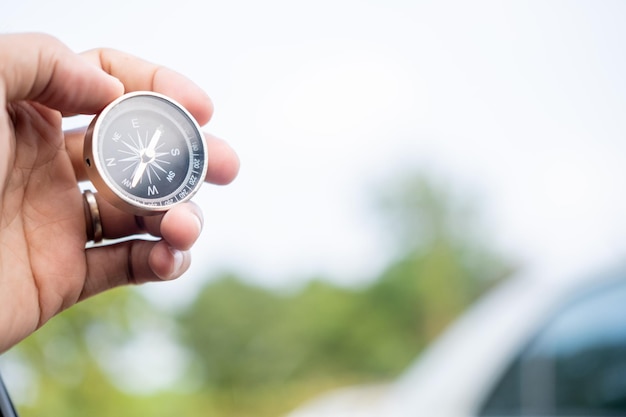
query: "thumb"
40, 68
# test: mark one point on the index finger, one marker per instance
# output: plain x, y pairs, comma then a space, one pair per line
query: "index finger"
139, 75
41, 68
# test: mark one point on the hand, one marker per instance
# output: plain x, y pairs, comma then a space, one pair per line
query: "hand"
44, 265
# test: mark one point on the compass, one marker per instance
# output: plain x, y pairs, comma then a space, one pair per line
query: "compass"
145, 153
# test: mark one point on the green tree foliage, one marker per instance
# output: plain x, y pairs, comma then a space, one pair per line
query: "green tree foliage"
251, 339
251, 351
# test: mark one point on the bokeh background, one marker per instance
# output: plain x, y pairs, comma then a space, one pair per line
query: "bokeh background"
398, 159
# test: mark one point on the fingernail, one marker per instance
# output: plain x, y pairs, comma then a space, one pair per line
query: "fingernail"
198, 223
179, 258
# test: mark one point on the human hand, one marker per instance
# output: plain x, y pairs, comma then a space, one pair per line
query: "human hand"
44, 264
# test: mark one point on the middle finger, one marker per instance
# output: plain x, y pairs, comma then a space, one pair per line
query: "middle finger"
222, 168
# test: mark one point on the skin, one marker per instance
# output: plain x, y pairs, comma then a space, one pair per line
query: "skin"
44, 264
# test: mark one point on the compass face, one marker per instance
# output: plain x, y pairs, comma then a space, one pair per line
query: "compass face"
145, 153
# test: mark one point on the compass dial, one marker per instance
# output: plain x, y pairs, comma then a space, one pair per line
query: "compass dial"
145, 153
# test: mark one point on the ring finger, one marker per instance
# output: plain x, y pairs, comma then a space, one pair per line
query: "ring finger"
180, 226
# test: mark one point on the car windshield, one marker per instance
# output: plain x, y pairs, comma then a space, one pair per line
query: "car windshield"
576, 366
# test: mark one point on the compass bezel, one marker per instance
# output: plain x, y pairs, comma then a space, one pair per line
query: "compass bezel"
99, 173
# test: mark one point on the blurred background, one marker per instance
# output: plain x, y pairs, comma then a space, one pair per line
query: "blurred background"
399, 158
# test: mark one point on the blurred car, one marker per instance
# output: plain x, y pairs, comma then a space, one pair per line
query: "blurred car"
531, 347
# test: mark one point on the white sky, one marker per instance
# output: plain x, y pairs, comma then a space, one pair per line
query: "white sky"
520, 102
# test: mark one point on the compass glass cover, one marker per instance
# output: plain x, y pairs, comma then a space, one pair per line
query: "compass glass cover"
150, 151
